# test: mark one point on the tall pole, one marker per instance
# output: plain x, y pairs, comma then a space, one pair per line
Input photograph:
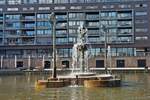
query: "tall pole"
53, 22
105, 46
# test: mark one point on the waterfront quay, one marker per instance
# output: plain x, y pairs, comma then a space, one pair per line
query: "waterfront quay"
96, 62
26, 32
7, 72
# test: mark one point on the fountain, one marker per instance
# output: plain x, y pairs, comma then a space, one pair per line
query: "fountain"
80, 54
80, 71
80, 75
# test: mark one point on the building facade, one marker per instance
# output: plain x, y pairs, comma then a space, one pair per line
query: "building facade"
26, 31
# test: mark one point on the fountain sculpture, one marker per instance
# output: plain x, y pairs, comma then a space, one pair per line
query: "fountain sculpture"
80, 53
80, 72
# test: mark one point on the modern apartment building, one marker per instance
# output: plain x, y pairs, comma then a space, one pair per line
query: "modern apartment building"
26, 31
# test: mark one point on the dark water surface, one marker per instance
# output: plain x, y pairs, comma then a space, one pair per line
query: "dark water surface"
135, 86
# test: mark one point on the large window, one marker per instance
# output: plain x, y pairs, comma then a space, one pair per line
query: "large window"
61, 1
29, 1
14, 2
76, 1
45, 1
61, 25
43, 32
28, 33
2, 1
14, 25
76, 23
64, 52
43, 16
76, 16
124, 14
13, 17
93, 24
43, 41
61, 32
61, 40
43, 24
108, 14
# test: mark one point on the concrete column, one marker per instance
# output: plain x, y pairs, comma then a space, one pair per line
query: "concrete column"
29, 62
15, 61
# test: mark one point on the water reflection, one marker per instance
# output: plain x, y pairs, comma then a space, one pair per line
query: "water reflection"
135, 87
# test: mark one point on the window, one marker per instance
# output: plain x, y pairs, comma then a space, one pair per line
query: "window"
141, 21
141, 30
141, 63
94, 39
76, 23
61, 25
2, 1
43, 24
61, 1
121, 63
45, 1
93, 24
43, 32
99, 63
12, 17
14, 2
61, 32
76, 16
29, 1
65, 64
141, 13
43, 41
93, 31
124, 6
61, 40
63, 52
124, 14
43, 16
72, 31
142, 38
108, 14
28, 33
14, 25
92, 16
29, 25
76, 1
125, 31
125, 23
72, 40
61, 17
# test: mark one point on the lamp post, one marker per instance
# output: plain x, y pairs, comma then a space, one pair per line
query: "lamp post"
105, 46
53, 22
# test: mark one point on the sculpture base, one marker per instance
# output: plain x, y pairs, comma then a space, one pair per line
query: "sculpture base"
90, 80
52, 83
102, 83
